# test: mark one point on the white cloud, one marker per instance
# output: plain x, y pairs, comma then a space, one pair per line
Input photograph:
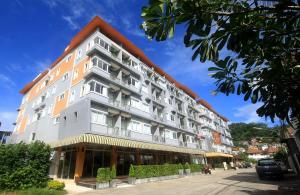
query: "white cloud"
71, 23
42, 65
7, 118
180, 65
6, 81
247, 113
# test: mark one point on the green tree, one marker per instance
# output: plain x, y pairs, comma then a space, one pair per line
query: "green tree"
262, 37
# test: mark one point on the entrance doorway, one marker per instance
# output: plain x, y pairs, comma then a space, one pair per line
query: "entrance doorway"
66, 166
124, 160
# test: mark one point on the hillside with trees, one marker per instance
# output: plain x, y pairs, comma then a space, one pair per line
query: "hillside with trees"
245, 132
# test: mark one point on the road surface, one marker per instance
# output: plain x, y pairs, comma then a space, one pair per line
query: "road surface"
242, 181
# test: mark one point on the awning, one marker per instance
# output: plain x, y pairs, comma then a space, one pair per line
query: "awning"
217, 154
113, 141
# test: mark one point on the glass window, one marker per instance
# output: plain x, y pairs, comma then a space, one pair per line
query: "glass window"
147, 129
92, 86
98, 117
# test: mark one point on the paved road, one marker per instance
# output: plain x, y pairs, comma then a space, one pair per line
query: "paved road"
243, 181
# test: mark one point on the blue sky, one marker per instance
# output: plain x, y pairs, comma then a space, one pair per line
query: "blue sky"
34, 33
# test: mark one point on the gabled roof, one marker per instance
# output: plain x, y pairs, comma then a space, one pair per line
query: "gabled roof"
117, 37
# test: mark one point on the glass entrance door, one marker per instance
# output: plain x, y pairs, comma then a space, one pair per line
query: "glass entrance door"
124, 161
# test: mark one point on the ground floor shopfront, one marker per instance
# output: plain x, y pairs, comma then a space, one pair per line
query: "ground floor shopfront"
216, 159
83, 159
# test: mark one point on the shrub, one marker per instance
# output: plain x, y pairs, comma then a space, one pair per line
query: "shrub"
103, 175
146, 171
180, 166
24, 165
113, 173
131, 171
55, 185
187, 166
196, 167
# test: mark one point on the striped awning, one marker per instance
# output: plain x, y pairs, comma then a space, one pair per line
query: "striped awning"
217, 154
113, 141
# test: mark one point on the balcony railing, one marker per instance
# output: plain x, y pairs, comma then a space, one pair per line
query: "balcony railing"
158, 138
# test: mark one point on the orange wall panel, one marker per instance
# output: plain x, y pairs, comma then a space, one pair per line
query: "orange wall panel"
60, 104
80, 69
23, 125
63, 67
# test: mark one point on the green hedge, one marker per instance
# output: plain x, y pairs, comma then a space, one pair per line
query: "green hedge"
196, 167
24, 165
103, 175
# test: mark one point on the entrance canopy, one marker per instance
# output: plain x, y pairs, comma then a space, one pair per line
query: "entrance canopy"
217, 154
113, 141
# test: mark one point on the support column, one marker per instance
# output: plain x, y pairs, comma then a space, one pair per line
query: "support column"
156, 157
138, 156
55, 164
80, 155
113, 160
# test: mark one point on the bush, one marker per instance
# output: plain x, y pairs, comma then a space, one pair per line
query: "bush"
187, 166
103, 175
55, 185
180, 166
113, 173
146, 171
196, 167
24, 165
131, 171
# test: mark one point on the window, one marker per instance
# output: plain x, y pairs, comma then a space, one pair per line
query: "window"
75, 74
100, 63
56, 120
172, 117
53, 89
132, 81
72, 97
135, 103
69, 58
147, 129
82, 91
145, 107
102, 43
32, 136
98, 88
170, 134
145, 88
65, 77
50, 109
135, 126
98, 117
86, 67
174, 135
61, 97
79, 53
170, 101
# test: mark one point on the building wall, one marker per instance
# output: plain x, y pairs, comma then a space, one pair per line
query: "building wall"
66, 92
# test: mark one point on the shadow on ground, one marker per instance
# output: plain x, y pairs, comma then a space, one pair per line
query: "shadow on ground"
289, 185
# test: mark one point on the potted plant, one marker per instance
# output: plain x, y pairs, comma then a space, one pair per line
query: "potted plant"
131, 178
103, 177
113, 175
187, 168
180, 169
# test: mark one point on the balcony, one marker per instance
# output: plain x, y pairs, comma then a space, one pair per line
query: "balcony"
97, 49
158, 100
182, 144
96, 71
158, 139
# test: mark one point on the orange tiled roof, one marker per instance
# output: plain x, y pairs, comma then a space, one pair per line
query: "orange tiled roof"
117, 37
254, 150
271, 150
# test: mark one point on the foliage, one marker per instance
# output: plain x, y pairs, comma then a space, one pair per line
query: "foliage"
36, 191
187, 166
196, 167
262, 39
24, 165
131, 171
146, 171
281, 155
180, 166
103, 175
55, 185
245, 157
113, 172
245, 132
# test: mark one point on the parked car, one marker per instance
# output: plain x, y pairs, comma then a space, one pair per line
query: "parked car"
268, 167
